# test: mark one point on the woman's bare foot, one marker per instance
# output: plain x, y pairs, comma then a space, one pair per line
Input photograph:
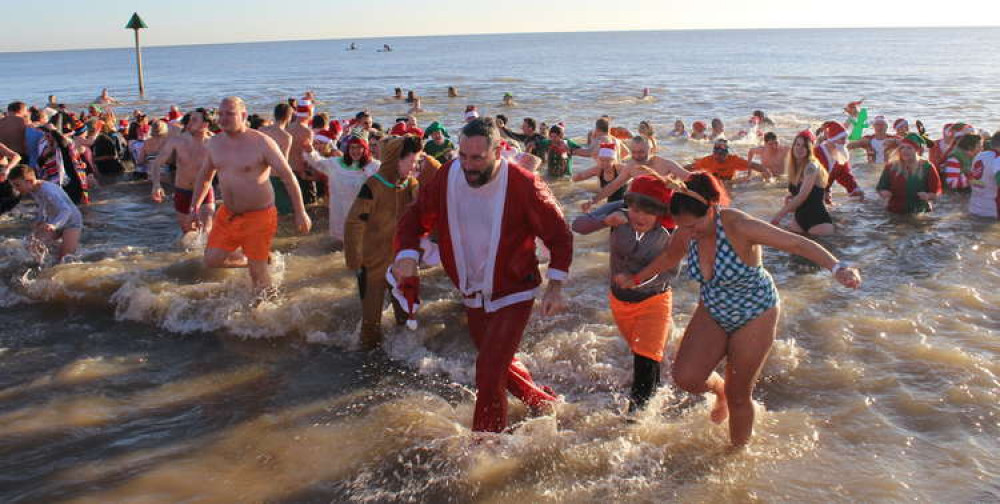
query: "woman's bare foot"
720, 410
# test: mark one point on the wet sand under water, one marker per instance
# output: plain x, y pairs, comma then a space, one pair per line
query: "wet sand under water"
135, 375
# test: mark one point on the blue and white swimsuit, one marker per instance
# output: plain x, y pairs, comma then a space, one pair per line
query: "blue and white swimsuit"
737, 293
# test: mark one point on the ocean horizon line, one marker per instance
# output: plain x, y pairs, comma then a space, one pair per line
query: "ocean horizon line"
493, 34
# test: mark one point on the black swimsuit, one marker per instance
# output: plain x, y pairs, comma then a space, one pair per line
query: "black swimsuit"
617, 195
812, 211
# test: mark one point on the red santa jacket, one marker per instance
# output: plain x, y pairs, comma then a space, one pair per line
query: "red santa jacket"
839, 172
529, 211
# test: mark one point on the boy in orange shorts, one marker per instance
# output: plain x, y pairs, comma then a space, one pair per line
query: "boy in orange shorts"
639, 234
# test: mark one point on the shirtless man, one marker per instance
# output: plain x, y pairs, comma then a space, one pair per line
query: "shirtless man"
771, 156
638, 165
278, 133
243, 159
105, 98
302, 140
187, 153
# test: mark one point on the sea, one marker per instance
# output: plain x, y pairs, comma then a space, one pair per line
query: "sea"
133, 374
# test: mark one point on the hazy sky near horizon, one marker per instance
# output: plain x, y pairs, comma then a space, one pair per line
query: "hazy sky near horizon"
76, 24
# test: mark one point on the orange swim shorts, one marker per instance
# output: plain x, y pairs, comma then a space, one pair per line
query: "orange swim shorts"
252, 231
645, 325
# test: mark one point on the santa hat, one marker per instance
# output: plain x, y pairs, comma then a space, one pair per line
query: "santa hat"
852, 107
698, 126
834, 131
471, 113
900, 124
808, 134
324, 137
650, 194
407, 293
303, 109
399, 129
123, 124
607, 150
174, 115
356, 140
959, 130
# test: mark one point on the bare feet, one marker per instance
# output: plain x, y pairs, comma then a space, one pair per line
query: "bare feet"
720, 410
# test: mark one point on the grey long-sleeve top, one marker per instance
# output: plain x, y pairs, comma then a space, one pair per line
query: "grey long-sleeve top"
55, 207
630, 252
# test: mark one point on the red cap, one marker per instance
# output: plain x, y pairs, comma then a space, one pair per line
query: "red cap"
834, 131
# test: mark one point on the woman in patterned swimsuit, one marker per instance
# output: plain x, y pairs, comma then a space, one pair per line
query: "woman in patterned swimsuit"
738, 310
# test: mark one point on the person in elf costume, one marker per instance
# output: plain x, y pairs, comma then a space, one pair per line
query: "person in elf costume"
439, 145
371, 226
956, 168
910, 183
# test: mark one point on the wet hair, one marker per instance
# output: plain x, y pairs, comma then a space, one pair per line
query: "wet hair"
321, 120
717, 121
206, 115
995, 141
531, 122
502, 118
361, 115
255, 121
283, 112
603, 125
969, 142
705, 185
35, 114
377, 126
770, 136
15, 107
558, 130
483, 127
20, 172
412, 144
647, 126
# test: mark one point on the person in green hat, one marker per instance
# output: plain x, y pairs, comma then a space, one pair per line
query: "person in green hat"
910, 183
439, 146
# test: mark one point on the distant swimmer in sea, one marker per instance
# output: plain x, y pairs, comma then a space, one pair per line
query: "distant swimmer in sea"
247, 220
398, 94
386, 48
452, 92
353, 47
508, 100
698, 131
646, 130
770, 156
679, 131
187, 152
58, 222
718, 129
645, 94
737, 314
106, 99
415, 108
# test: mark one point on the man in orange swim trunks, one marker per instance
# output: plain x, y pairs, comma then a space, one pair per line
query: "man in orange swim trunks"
247, 219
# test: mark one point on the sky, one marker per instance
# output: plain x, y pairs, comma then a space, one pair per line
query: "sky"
87, 24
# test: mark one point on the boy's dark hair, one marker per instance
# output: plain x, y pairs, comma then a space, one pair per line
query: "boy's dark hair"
531, 122
770, 136
283, 112
969, 142
603, 125
19, 172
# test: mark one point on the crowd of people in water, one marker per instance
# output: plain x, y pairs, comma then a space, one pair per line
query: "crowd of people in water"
403, 198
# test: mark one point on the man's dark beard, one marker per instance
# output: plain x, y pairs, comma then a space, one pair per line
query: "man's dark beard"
481, 177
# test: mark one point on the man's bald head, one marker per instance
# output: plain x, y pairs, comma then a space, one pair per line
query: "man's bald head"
233, 115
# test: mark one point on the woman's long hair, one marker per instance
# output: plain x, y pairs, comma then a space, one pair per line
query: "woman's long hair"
795, 168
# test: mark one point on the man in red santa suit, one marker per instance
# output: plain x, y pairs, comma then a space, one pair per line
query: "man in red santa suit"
487, 212
832, 153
